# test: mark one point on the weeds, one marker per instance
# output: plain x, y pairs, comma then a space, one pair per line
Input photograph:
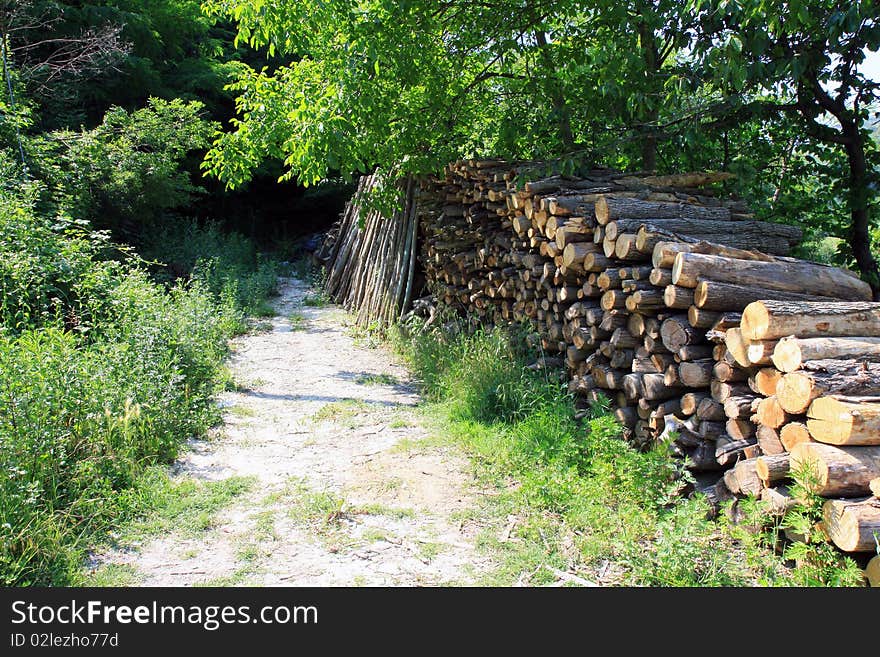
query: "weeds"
377, 380
103, 374
585, 500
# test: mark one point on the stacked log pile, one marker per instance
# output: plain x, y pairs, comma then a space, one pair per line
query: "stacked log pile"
814, 368
671, 300
637, 284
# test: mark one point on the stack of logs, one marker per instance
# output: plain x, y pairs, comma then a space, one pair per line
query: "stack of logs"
813, 371
639, 286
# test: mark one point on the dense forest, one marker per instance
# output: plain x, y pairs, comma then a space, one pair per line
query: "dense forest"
158, 160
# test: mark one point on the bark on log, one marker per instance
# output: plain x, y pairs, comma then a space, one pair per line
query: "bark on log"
795, 276
609, 207
768, 440
770, 320
796, 390
710, 410
791, 352
714, 295
772, 468
838, 471
665, 252
696, 374
778, 501
699, 318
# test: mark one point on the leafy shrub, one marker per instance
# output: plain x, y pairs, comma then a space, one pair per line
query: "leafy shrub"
227, 263
103, 372
125, 174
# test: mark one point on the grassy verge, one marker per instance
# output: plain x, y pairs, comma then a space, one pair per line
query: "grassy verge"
572, 497
104, 372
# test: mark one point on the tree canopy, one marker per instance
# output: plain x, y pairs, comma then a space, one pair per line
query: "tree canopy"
749, 85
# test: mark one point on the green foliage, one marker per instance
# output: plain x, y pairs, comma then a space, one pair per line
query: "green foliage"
576, 483
103, 373
227, 263
125, 174
820, 563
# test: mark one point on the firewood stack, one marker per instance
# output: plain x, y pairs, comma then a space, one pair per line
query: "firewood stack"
639, 285
814, 368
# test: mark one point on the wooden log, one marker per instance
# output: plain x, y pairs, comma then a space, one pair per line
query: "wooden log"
747, 235
795, 276
853, 525
794, 433
721, 391
660, 277
739, 429
745, 476
768, 440
715, 295
791, 352
699, 318
738, 407
678, 297
573, 255
625, 248
691, 400
872, 571
771, 414
772, 468
710, 410
657, 390
837, 471
796, 390
737, 346
645, 301
764, 381
596, 262
770, 320
696, 374
691, 352
610, 207
665, 252
845, 421
778, 501
676, 332
728, 451
760, 352
729, 373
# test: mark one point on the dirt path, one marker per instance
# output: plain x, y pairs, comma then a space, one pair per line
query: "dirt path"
344, 487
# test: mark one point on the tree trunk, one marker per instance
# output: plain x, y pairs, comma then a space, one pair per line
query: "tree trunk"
860, 237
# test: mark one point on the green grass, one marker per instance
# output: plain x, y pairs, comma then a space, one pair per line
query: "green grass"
377, 380
350, 413
263, 309
186, 507
112, 574
587, 503
376, 509
298, 321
